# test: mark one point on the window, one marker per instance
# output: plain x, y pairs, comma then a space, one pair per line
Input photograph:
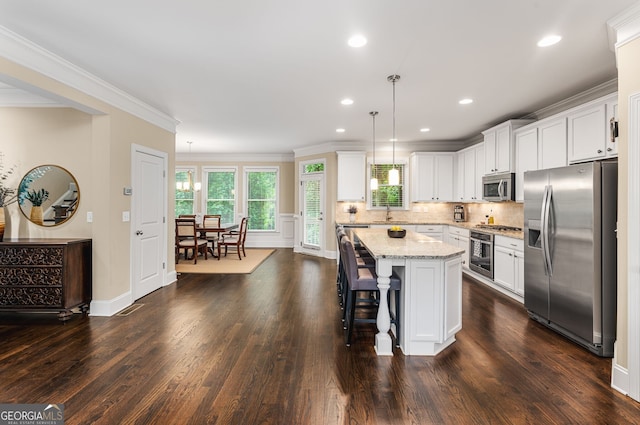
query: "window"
313, 167
220, 193
262, 197
185, 194
387, 195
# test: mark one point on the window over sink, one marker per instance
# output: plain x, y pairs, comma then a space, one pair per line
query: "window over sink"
392, 196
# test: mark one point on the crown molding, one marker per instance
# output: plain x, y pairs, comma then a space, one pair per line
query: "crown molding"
624, 27
233, 157
403, 147
23, 52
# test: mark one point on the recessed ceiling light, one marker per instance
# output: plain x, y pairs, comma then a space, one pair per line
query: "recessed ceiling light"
424, 130
340, 130
465, 101
357, 40
549, 40
347, 101
393, 140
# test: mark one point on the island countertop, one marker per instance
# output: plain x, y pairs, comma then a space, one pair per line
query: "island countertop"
413, 245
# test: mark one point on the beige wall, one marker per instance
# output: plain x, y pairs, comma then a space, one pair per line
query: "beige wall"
97, 150
628, 84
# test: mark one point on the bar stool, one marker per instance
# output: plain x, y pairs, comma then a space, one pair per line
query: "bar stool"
364, 279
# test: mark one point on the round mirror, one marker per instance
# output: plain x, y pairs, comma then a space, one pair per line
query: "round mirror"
48, 195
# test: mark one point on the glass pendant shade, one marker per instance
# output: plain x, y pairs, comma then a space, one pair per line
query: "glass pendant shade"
394, 177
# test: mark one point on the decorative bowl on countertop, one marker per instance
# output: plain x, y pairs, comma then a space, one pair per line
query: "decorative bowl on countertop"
397, 233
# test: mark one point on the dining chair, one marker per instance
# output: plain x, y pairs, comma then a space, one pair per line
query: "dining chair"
187, 239
212, 221
235, 238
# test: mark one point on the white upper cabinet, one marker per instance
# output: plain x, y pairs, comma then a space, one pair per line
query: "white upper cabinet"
589, 130
526, 157
432, 177
499, 147
612, 121
351, 176
540, 145
470, 164
552, 138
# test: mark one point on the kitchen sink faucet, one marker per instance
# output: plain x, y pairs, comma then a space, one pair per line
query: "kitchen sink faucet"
389, 213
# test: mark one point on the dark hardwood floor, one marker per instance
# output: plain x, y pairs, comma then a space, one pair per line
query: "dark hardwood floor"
268, 348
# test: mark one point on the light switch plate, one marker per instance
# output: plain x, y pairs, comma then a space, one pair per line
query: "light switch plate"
89, 217
126, 216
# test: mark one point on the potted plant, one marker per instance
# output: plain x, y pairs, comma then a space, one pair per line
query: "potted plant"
37, 197
352, 213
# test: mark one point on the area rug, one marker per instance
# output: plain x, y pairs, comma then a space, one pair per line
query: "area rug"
227, 265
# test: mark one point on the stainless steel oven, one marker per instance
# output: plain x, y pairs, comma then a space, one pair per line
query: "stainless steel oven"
481, 253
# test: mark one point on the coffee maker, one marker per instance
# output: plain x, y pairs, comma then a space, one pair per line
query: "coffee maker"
458, 213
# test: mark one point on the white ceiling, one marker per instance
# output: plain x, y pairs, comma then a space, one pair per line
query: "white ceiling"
260, 76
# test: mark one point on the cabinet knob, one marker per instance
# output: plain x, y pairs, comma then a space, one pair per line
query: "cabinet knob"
609, 149
599, 150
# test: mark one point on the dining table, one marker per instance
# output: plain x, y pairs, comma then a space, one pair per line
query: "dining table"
222, 228
431, 289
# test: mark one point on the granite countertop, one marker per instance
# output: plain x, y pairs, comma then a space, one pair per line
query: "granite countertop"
413, 245
516, 234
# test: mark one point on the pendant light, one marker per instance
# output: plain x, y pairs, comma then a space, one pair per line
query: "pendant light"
394, 174
374, 180
189, 185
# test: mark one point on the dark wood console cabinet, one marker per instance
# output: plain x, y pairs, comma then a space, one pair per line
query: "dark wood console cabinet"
45, 275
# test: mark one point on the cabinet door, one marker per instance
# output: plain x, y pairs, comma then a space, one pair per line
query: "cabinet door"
452, 298
463, 242
519, 272
612, 114
503, 150
470, 175
552, 138
351, 176
460, 172
478, 173
526, 158
443, 185
423, 180
490, 147
587, 134
504, 269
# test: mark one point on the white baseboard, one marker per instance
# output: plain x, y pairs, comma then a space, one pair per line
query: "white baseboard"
110, 307
620, 378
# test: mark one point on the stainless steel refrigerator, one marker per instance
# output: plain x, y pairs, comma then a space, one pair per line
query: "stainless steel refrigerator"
570, 252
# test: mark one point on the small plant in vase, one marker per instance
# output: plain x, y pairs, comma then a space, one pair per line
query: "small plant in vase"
37, 197
352, 213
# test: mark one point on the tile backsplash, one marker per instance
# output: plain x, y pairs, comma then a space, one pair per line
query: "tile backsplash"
505, 213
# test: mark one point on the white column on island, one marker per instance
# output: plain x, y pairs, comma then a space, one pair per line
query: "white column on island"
383, 344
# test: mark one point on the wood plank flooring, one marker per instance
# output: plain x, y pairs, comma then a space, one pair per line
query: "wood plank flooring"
268, 348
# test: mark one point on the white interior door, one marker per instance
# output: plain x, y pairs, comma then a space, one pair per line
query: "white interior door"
149, 228
312, 213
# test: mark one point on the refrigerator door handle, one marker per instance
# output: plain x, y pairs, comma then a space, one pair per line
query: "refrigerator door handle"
546, 208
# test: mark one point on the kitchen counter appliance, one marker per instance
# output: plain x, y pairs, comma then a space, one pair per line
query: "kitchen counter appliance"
458, 213
499, 187
481, 253
570, 256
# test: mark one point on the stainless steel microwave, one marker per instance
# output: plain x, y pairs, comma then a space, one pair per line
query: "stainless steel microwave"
499, 187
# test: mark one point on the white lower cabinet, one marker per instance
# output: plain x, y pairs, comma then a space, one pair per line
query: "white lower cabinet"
460, 237
434, 231
508, 262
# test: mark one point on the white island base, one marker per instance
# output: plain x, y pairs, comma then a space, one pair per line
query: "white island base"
431, 301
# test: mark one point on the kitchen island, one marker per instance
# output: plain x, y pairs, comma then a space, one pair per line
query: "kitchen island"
431, 294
